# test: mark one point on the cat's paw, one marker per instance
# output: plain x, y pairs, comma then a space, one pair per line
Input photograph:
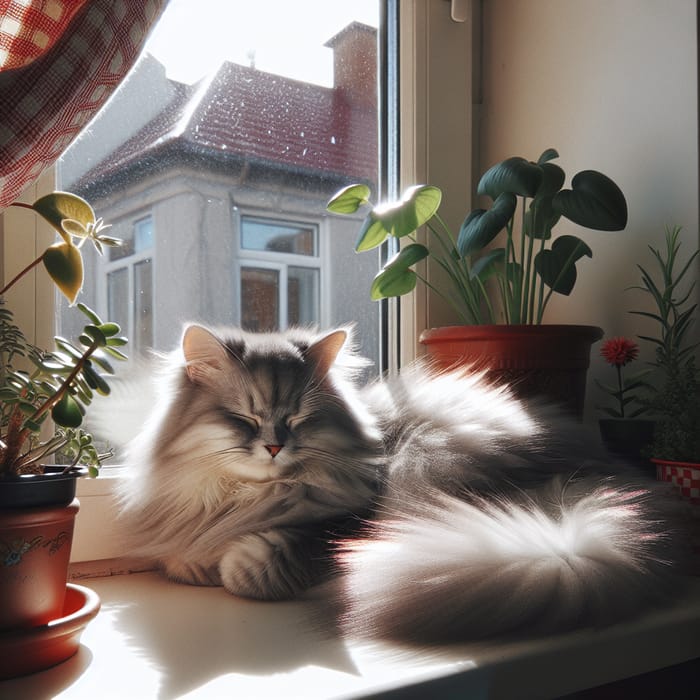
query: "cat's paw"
192, 573
264, 566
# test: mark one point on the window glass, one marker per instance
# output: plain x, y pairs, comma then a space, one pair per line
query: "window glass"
302, 296
260, 291
214, 165
118, 296
135, 239
143, 304
276, 237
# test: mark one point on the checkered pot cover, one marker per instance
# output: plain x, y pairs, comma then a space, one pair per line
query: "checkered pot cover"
684, 475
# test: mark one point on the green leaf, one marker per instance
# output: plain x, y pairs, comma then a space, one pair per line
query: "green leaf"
95, 381
594, 201
548, 154
64, 263
116, 353
94, 318
487, 265
392, 282
58, 207
396, 278
557, 267
372, 233
117, 342
102, 362
67, 412
97, 335
482, 226
68, 347
540, 217
349, 199
417, 206
408, 255
514, 175
26, 407
109, 329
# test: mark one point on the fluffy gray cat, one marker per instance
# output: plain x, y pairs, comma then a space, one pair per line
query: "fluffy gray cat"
439, 506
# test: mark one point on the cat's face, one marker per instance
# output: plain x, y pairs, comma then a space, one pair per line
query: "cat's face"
267, 409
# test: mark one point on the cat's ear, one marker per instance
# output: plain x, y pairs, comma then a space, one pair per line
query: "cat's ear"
205, 356
324, 352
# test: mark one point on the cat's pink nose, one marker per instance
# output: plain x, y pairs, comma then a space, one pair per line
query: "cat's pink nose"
274, 450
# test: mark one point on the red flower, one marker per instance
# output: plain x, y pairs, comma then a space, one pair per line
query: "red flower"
619, 351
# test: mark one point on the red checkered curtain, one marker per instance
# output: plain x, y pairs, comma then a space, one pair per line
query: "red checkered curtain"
59, 62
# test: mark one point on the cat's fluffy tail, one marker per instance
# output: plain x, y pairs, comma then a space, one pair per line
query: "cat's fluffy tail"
456, 570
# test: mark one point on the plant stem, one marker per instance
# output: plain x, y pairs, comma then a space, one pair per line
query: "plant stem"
508, 289
458, 274
466, 319
21, 274
620, 391
58, 395
540, 291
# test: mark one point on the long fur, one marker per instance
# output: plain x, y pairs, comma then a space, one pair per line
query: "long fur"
444, 507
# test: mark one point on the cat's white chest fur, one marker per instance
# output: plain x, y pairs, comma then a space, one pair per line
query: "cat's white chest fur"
216, 468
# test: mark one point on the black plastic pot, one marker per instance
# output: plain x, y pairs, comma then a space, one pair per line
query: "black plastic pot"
55, 487
627, 437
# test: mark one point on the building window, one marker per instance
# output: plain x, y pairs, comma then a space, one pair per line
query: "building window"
280, 274
128, 276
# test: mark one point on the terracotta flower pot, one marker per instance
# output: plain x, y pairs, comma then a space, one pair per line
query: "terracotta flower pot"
537, 361
37, 515
35, 546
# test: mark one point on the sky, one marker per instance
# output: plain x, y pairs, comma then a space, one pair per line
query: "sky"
285, 37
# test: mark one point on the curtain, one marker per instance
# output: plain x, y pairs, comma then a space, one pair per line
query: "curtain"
59, 62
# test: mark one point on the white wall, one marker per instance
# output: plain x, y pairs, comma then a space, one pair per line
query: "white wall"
612, 85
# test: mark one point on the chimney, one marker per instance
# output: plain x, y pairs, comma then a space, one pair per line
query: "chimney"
355, 63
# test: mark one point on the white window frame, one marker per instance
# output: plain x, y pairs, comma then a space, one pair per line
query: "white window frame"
431, 45
106, 266
272, 260
438, 144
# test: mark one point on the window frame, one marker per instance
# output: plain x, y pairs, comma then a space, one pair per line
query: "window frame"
105, 266
267, 259
429, 44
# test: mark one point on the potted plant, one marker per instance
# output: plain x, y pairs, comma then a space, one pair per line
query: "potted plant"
37, 500
624, 432
675, 448
525, 270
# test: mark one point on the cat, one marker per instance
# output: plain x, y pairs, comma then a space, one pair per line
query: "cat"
429, 506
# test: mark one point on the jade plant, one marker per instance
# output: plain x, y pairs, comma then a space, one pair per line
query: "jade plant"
36, 384
527, 263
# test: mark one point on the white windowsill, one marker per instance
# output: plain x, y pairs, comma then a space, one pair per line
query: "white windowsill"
155, 639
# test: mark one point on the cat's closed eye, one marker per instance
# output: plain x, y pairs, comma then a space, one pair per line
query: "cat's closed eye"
242, 419
293, 422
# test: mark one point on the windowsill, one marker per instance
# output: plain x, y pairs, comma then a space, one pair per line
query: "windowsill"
155, 639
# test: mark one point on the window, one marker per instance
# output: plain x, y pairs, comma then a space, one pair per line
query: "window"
234, 153
280, 274
197, 206
128, 285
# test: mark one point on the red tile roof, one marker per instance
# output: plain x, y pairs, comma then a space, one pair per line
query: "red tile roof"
275, 121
